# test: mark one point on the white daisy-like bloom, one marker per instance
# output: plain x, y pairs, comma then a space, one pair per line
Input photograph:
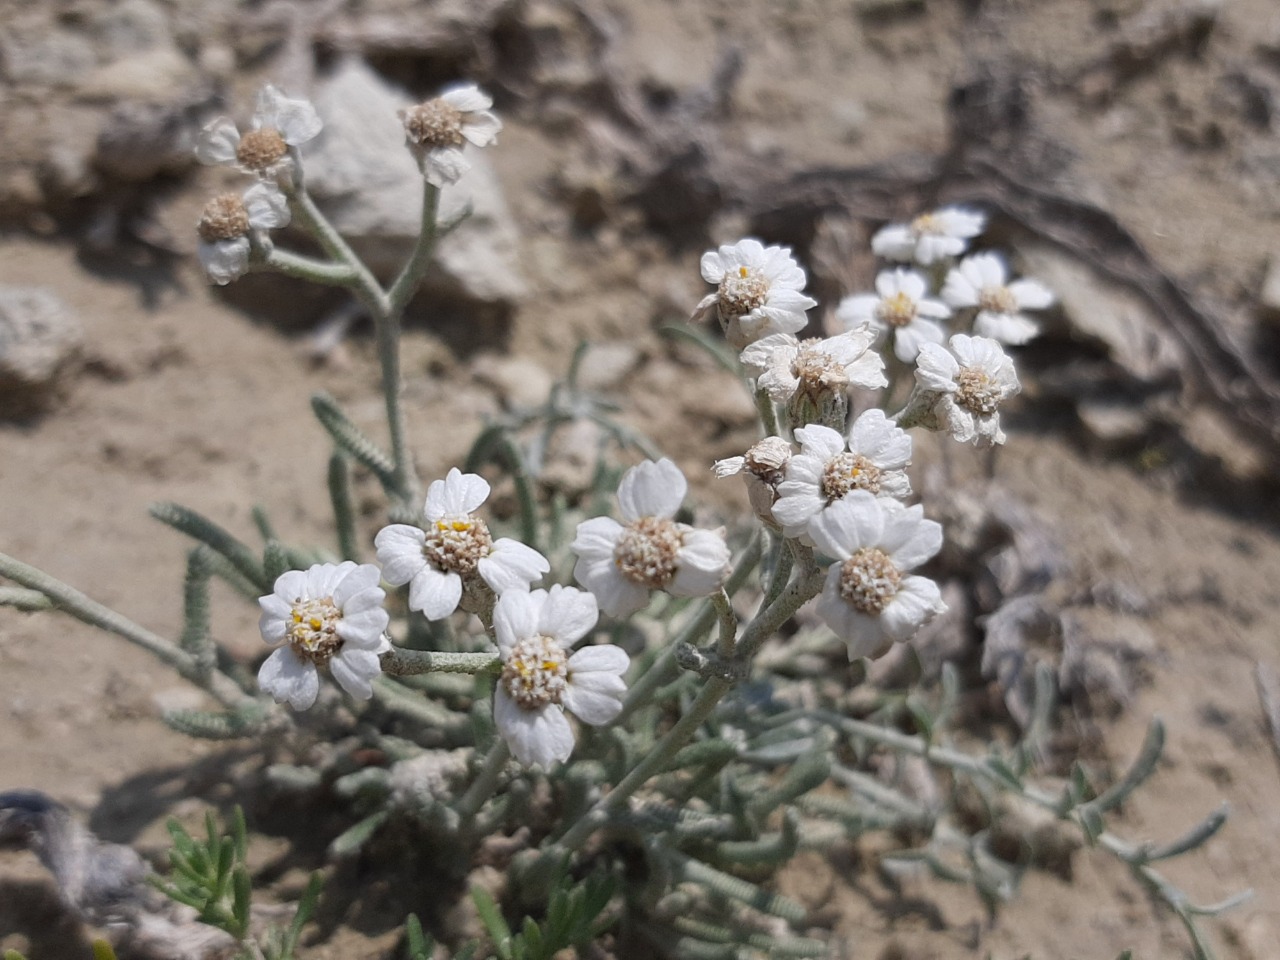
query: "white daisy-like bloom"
763, 467
784, 366
226, 224
621, 563
873, 458
454, 551
930, 237
438, 129
541, 680
758, 291
982, 281
968, 382
327, 616
899, 306
278, 123
868, 599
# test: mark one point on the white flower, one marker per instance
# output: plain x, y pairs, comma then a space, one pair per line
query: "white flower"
541, 680
968, 384
328, 616
982, 281
825, 471
622, 562
453, 550
929, 237
867, 600
758, 291
278, 123
763, 467
225, 226
898, 305
438, 129
783, 365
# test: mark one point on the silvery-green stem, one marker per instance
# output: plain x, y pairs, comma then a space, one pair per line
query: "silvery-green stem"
728, 624
486, 782
366, 284
70, 600
399, 662
764, 626
406, 285
307, 268
768, 412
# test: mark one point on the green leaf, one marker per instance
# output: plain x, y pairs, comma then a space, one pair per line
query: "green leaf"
206, 531
420, 946
493, 921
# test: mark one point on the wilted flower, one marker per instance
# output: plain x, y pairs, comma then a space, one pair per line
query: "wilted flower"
982, 281
226, 224
965, 386
328, 616
929, 237
825, 470
900, 306
541, 680
438, 129
763, 467
868, 600
757, 293
278, 123
455, 551
622, 562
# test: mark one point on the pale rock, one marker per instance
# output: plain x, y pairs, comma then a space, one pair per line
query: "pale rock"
154, 76
607, 365
172, 699
1269, 295
39, 336
368, 184
519, 383
1112, 423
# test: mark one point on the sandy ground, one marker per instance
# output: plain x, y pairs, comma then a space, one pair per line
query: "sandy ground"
181, 397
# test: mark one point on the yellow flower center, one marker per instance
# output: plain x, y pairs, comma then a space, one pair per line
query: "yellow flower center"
849, 471
313, 630
997, 300
536, 673
897, 310
742, 291
457, 544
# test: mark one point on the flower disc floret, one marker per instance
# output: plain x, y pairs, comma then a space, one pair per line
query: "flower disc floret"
224, 218
869, 581
930, 237
439, 129
434, 124
259, 150
849, 471
313, 633
535, 673
278, 123
457, 544
228, 224
647, 551
758, 291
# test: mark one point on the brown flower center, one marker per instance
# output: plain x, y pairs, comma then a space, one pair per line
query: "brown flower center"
897, 310
646, 551
224, 218
457, 544
977, 392
869, 581
742, 291
816, 370
260, 149
768, 460
849, 471
434, 124
313, 630
997, 300
536, 673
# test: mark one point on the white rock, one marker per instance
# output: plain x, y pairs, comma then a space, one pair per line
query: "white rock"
38, 336
364, 178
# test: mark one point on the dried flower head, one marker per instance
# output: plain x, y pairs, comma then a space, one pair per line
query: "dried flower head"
329, 616
622, 562
541, 680
278, 124
763, 467
438, 129
453, 549
758, 291
930, 237
227, 224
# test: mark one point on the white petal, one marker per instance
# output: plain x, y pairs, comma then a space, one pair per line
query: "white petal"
651, 489
917, 601
435, 592
291, 586
267, 206
729, 467
458, 494
399, 550
863, 635
894, 242
1031, 294
225, 260
468, 98
598, 665
362, 578
702, 563
597, 538
323, 578
512, 566
289, 680
296, 120
618, 597
848, 525
218, 142
936, 368
481, 128
568, 615
959, 291
818, 441
1011, 328
541, 736
444, 165
857, 311
908, 340
364, 629
880, 440
515, 617
908, 538
274, 623
354, 670
592, 704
